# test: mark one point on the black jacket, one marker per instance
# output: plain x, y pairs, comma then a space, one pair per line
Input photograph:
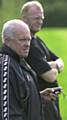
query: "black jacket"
19, 94
38, 57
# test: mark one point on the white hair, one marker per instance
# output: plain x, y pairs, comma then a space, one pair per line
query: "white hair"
27, 6
9, 28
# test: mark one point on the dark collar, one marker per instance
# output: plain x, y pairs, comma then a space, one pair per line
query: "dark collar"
8, 51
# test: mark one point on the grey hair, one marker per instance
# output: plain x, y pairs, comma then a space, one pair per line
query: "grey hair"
27, 6
9, 29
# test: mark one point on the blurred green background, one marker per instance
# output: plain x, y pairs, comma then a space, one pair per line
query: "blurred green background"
54, 32
56, 39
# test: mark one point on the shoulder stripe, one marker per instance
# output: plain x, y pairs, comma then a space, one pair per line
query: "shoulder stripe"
5, 87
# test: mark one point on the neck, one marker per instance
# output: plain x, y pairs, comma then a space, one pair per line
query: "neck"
32, 34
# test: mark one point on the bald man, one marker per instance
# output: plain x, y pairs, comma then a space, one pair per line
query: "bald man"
19, 96
46, 64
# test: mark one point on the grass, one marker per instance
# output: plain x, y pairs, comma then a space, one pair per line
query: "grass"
56, 40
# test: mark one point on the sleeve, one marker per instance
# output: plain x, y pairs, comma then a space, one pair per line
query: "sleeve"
16, 85
53, 56
37, 61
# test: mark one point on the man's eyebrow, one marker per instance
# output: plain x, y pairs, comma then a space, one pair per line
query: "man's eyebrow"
20, 39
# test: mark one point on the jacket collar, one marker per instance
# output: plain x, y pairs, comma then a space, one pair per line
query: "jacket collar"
8, 51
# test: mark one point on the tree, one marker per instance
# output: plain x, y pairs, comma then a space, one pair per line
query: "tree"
1, 3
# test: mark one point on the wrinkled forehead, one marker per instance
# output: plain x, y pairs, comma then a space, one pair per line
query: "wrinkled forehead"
35, 8
36, 11
22, 28
22, 32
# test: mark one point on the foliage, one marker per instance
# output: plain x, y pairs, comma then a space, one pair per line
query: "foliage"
10, 9
55, 12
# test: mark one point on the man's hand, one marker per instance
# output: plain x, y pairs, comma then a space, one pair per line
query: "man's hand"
58, 64
50, 93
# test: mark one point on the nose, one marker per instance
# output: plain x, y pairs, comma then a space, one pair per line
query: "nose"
27, 43
40, 21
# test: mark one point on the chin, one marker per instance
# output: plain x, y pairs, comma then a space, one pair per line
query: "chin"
25, 55
37, 30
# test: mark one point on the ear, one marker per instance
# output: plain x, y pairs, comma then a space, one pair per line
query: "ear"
7, 41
